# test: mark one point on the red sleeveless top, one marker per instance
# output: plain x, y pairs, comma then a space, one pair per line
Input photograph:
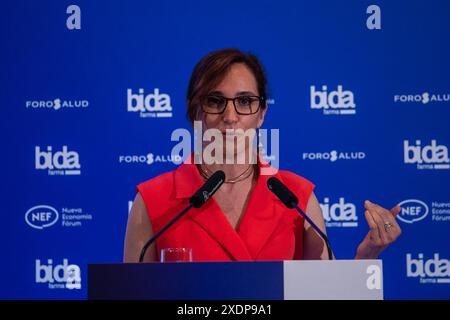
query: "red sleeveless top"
267, 231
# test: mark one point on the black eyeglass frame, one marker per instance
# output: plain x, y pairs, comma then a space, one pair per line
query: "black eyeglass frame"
260, 100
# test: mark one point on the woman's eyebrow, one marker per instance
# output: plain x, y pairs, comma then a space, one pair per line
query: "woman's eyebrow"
245, 93
217, 92
240, 93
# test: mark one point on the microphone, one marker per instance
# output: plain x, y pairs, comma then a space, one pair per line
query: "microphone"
197, 200
208, 189
291, 201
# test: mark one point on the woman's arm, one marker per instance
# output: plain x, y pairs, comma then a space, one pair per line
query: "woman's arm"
139, 230
314, 247
384, 230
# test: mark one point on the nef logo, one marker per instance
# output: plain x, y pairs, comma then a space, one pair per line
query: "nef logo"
61, 276
151, 105
434, 270
40, 217
63, 162
333, 102
340, 214
431, 156
412, 210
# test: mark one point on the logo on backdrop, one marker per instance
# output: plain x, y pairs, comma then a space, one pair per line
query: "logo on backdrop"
149, 105
334, 155
435, 270
333, 102
62, 162
56, 104
339, 214
414, 210
44, 216
426, 156
149, 159
58, 276
423, 98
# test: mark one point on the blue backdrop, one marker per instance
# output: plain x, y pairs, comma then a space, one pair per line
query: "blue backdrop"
360, 94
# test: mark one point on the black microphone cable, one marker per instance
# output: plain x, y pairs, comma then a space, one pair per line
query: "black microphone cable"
197, 200
291, 201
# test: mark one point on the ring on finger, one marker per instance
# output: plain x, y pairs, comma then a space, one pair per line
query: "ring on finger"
387, 226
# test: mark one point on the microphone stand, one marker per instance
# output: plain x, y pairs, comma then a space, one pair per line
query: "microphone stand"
160, 232
323, 235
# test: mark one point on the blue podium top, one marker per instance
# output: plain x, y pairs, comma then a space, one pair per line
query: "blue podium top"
187, 281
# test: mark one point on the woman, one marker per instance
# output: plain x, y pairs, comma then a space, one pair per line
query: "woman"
243, 220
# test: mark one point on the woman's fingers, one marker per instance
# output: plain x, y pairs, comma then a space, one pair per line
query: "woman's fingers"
374, 232
396, 210
387, 225
383, 240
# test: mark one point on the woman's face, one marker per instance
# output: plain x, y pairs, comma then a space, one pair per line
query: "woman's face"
239, 81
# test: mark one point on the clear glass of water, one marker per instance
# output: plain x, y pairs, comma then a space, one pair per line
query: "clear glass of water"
176, 255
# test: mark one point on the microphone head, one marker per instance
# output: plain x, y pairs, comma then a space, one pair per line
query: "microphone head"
282, 192
208, 189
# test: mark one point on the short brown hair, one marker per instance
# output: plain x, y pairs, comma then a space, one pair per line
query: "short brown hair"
210, 71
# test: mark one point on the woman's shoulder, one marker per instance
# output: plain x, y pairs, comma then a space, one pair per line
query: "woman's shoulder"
299, 185
293, 178
163, 180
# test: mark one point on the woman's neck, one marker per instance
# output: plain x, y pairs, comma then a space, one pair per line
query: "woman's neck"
231, 171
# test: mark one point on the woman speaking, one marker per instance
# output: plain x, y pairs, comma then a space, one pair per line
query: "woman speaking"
243, 221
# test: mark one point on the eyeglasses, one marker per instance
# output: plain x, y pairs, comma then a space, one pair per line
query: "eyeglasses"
244, 105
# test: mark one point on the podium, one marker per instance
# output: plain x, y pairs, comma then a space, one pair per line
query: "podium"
271, 280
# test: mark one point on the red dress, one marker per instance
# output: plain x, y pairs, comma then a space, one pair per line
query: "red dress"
267, 231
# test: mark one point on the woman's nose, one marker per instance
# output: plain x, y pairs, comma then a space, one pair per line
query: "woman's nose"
230, 115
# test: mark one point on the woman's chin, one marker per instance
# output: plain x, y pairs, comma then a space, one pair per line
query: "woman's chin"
236, 156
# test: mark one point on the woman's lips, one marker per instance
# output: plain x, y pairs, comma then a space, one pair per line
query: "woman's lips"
233, 132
